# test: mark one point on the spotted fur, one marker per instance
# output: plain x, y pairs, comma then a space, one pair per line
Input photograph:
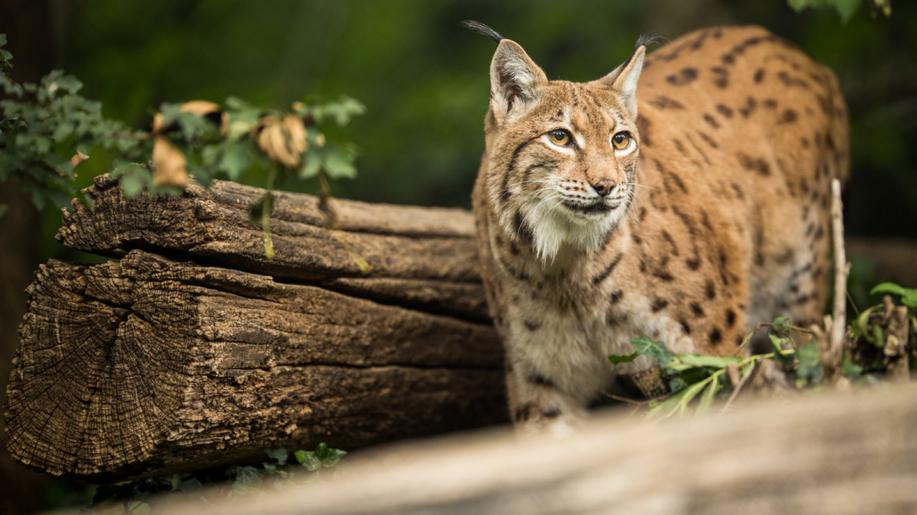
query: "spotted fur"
715, 221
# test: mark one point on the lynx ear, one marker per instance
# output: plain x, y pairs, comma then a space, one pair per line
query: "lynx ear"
623, 79
514, 81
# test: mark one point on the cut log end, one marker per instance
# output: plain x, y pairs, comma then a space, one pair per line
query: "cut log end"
94, 384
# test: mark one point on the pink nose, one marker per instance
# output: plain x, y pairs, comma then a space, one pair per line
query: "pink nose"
604, 186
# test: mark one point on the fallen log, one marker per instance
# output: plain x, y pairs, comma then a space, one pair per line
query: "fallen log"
418, 257
192, 350
827, 452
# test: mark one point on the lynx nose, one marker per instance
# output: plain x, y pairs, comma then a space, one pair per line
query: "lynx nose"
604, 186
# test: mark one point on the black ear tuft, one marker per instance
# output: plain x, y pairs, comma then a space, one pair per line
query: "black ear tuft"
479, 28
653, 38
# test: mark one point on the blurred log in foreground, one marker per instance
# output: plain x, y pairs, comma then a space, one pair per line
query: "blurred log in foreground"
181, 356
825, 452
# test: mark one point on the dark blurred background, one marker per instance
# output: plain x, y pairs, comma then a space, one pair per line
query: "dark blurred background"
424, 82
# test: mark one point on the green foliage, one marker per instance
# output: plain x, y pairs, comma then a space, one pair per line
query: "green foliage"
697, 380
908, 296
845, 8
47, 130
133, 495
42, 126
322, 457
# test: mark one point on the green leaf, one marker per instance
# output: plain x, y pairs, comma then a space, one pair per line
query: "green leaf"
242, 118
328, 455
339, 164
311, 164
308, 461
278, 455
710, 392
808, 367
236, 158
677, 384
781, 325
622, 358
846, 8
685, 361
245, 475
908, 295
133, 178
655, 350
850, 369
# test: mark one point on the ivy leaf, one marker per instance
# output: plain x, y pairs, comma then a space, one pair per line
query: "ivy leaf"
132, 177
279, 455
809, 368
311, 164
846, 8
245, 475
328, 455
345, 109
308, 460
339, 163
242, 118
235, 159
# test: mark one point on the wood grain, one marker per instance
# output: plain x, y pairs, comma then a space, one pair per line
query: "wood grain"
148, 365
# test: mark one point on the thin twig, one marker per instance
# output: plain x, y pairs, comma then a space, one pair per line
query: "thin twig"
841, 270
738, 388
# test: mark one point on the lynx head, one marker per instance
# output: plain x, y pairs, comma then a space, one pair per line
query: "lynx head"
561, 156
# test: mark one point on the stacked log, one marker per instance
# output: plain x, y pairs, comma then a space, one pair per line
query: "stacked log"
188, 348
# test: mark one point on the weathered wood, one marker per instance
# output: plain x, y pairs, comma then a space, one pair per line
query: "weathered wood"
150, 365
818, 453
421, 257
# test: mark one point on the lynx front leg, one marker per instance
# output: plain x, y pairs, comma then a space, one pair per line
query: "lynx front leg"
537, 404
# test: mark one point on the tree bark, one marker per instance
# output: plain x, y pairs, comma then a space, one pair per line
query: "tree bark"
828, 452
418, 257
179, 356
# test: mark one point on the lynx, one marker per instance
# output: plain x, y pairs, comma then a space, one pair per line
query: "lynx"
684, 196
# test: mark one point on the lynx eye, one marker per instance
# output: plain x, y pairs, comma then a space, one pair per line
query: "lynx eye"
621, 140
560, 137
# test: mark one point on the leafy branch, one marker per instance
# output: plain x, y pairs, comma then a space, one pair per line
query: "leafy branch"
875, 344
48, 130
845, 8
281, 464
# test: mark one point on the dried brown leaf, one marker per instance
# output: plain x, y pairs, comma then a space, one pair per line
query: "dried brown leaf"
78, 158
169, 164
283, 140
